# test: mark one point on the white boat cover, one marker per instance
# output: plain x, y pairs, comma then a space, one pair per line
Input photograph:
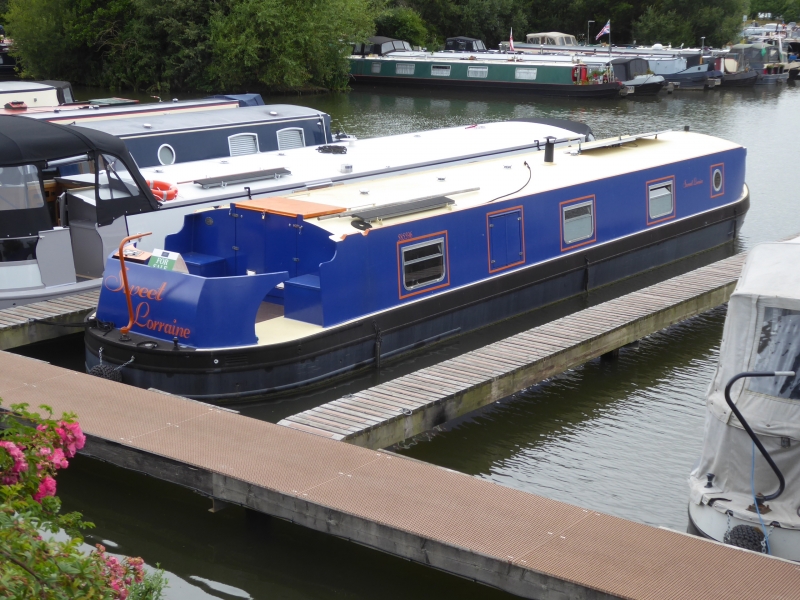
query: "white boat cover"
761, 333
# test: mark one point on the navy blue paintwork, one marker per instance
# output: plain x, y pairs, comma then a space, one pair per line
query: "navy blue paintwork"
204, 144
369, 263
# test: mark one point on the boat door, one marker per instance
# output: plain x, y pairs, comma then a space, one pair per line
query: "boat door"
101, 194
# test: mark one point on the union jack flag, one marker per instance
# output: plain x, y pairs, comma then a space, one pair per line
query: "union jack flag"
606, 29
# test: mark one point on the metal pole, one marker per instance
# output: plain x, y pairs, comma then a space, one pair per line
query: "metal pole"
126, 288
751, 433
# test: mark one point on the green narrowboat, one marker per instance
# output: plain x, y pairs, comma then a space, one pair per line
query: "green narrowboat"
483, 71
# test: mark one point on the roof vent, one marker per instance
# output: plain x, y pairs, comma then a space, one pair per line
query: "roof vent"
147, 126
549, 149
273, 113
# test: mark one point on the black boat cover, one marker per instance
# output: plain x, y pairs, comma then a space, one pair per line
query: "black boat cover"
26, 141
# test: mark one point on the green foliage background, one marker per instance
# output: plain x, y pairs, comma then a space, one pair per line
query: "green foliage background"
259, 45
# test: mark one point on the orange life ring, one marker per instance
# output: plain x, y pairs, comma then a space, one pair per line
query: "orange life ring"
162, 190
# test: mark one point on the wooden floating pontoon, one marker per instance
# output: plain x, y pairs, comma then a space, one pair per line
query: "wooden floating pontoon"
30, 323
391, 412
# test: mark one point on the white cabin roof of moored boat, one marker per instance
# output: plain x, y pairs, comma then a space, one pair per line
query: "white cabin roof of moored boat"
375, 157
504, 177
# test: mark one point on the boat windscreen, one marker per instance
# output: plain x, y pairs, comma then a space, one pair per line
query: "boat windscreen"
638, 66
620, 72
22, 207
778, 350
20, 188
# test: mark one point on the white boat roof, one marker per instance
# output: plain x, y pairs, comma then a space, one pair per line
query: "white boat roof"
83, 113
552, 34
771, 271
204, 119
528, 59
375, 157
8, 87
478, 183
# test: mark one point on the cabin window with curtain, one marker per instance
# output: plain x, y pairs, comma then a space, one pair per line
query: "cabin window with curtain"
243, 143
423, 263
291, 137
376, 67
529, 74
578, 221
404, 68
20, 188
440, 70
479, 72
660, 200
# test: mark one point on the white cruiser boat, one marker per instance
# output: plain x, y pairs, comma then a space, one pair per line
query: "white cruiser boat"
745, 489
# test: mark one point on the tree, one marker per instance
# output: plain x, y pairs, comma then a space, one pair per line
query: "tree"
286, 44
33, 564
684, 21
404, 24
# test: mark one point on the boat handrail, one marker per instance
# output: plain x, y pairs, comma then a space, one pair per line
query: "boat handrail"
611, 142
750, 432
123, 271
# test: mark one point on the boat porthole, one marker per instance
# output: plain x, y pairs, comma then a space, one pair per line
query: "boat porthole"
166, 154
148, 345
209, 221
717, 180
216, 361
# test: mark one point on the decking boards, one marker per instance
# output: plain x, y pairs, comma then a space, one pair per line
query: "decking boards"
24, 324
431, 396
519, 542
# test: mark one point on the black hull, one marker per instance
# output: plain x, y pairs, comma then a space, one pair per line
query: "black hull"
601, 90
688, 81
745, 79
267, 370
647, 89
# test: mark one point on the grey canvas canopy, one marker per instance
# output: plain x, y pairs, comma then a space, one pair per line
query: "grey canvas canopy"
761, 333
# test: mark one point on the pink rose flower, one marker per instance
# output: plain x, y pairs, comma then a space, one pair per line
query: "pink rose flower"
19, 465
46, 488
72, 438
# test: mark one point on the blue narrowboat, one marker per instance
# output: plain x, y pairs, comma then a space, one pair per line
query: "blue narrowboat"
256, 297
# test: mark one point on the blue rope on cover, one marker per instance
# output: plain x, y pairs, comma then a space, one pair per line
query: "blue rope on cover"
755, 500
